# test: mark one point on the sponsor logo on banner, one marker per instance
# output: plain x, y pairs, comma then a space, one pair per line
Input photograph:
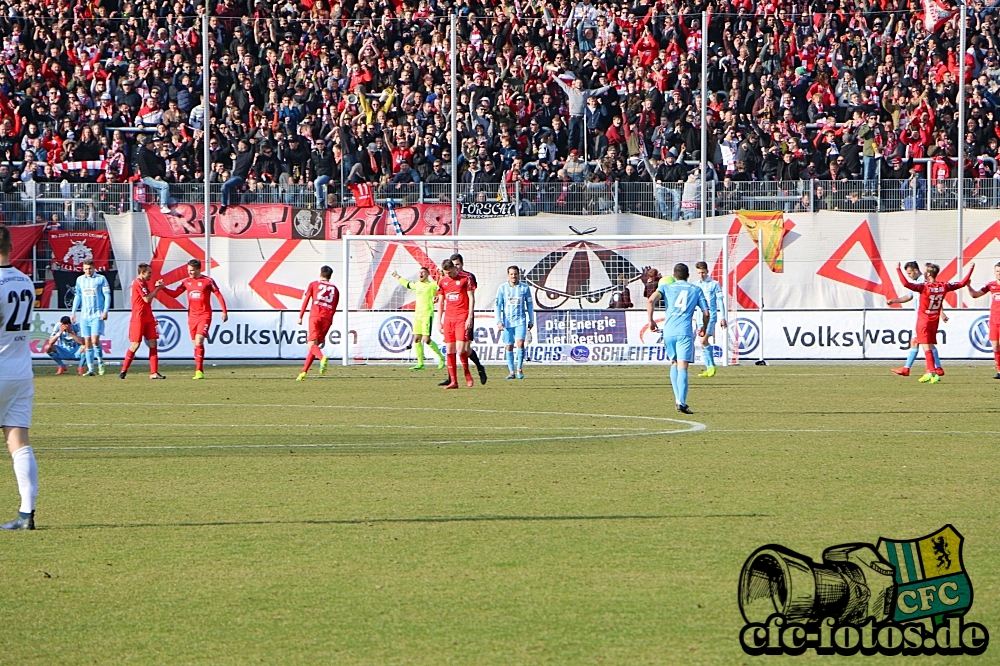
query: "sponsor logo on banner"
308, 224
745, 334
582, 327
979, 334
170, 333
580, 354
396, 334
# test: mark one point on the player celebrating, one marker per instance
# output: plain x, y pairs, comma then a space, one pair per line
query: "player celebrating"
325, 297
993, 289
455, 308
460, 265
65, 344
515, 315
92, 301
912, 269
716, 304
142, 324
17, 383
680, 299
423, 315
199, 290
932, 295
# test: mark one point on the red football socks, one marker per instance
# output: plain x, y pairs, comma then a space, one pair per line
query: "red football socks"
310, 355
465, 364
929, 359
154, 362
451, 368
199, 358
996, 358
129, 357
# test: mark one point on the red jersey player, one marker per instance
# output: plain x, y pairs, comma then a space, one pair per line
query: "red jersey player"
932, 295
455, 310
993, 289
324, 297
142, 324
199, 290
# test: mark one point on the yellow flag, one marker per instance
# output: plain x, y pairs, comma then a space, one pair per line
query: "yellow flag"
767, 229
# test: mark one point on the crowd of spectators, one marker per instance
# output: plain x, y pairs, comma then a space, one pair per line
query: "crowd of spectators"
323, 95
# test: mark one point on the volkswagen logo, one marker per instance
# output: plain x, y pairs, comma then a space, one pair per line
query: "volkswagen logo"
396, 334
747, 334
979, 335
170, 333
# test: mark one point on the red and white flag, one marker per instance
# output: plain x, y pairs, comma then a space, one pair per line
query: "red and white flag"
936, 14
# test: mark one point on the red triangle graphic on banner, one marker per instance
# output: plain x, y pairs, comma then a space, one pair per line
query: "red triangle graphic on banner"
861, 236
971, 251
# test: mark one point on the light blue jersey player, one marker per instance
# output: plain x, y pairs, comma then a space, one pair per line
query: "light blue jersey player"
680, 300
717, 314
515, 314
65, 344
92, 301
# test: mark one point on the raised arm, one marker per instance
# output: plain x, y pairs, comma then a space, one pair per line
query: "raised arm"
650, 306
174, 293
912, 286
976, 293
964, 282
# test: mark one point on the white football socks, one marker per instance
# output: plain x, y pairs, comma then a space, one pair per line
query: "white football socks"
26, 471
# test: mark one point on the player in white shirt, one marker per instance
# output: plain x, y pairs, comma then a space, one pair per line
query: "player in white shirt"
17, 383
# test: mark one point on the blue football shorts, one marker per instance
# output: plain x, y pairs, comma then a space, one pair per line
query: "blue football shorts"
91, 326
680, 348
511, 333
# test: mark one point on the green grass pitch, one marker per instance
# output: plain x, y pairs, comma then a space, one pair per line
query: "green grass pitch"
368, 517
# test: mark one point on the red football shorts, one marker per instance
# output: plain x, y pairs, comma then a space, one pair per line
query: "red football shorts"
927, 332
318, 328
139, 330
199, 325
454, 329
994, 329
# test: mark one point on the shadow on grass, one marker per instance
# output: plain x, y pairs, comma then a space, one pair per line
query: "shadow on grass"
417, 520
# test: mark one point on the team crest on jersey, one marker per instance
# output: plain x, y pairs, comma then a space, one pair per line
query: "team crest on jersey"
930, 575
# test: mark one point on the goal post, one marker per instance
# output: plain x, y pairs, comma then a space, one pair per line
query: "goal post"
575, 281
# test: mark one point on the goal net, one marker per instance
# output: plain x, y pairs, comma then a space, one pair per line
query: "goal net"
578, 284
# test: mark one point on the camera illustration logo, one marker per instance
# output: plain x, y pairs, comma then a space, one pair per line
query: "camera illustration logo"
745, 335
979, 334
396, 334
170, 333
897, 597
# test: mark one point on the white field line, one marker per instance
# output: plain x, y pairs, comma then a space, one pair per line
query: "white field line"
688, 427
859, 430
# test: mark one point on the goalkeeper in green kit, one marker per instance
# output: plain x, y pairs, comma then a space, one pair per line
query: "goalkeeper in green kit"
423, 315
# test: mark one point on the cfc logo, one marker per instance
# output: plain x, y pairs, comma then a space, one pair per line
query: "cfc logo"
979, 334
745, 335
396, 334
170, 333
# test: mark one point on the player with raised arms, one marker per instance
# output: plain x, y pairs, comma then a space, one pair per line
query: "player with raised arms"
716, 304
932, 295
199, 290
680, 300
324, 296
425, 290
92, 300
912, 269
17, 381
142, 324
993, 289
455, 308
473, 356
515, 316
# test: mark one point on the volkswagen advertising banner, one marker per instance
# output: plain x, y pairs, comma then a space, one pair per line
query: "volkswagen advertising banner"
568, 336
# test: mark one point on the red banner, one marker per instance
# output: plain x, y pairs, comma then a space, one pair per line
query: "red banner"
71, 248
281, 222
23, 238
